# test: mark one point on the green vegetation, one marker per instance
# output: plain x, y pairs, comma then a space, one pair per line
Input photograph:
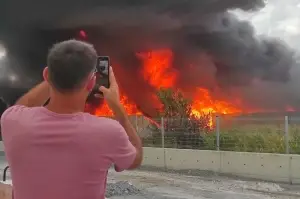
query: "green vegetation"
178, 112
182, 130
174, 103
251, 138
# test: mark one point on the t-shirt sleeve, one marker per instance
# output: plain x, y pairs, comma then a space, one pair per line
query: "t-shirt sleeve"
124, 152
13, 113
11, 117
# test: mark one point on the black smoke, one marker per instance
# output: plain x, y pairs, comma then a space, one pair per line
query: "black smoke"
236, 55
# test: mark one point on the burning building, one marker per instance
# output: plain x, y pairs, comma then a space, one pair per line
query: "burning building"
199, 47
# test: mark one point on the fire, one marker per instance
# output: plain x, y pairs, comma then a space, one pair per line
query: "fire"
129, 107
157, 70
205, 104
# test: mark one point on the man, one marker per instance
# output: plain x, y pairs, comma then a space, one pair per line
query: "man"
57, 151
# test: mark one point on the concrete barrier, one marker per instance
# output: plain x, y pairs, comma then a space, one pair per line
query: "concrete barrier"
262, 166
272, 167
154, 157
295, 169
185, 159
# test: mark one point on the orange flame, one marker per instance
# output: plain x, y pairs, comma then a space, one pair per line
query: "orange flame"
129, 107
205, 104
157, 70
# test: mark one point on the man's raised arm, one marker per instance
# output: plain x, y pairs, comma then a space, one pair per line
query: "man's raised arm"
112, 97
134, 139
36, 96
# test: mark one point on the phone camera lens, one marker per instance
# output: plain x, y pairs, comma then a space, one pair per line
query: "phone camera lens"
102, 68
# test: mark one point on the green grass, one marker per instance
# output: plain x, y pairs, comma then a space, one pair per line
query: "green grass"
245, 138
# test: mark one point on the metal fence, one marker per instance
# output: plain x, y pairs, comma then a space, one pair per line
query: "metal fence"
265, 134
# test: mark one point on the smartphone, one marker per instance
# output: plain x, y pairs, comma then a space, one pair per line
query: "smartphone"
102, 79
102, 73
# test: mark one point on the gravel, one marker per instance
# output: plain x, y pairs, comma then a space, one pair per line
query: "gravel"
120, 188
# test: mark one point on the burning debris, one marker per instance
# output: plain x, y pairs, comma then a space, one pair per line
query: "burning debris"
199, 47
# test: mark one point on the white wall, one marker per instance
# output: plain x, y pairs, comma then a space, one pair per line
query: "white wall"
263, 166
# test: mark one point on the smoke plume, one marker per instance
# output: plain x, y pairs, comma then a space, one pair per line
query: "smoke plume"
225, 50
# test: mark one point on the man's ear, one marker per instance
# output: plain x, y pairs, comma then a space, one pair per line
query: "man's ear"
91, 83
46, 74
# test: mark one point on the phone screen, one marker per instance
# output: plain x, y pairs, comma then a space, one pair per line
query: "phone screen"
102, 79
102, 73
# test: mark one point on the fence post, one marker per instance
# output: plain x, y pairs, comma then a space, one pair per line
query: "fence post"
162, 127
218, 132
136, 124
286, 134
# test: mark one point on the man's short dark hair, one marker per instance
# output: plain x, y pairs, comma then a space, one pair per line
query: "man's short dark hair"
70, 63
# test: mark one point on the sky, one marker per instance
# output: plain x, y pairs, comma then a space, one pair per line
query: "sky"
279, 18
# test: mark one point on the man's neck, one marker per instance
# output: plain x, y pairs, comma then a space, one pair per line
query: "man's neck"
65, 104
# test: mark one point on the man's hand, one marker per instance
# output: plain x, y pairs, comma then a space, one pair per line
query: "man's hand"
111, 94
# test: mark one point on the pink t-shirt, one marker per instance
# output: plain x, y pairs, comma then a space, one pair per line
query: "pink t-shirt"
62, 156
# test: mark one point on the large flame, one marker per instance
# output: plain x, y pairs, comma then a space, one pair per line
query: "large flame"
157, 68
205, 104
158, 72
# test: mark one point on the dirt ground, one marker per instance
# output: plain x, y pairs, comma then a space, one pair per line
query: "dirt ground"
161, 185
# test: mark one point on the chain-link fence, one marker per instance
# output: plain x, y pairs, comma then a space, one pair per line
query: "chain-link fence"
265, 134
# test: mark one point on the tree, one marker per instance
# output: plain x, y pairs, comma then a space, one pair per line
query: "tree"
174, 103
177, 110
182, 128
